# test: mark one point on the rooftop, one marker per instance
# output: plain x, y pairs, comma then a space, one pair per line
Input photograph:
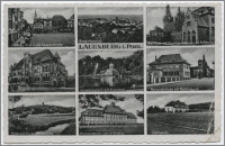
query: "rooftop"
168, 59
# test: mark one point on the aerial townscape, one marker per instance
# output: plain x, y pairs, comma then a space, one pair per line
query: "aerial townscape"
174, 72
114, 117
110, 29
42, 71
193, 26
39, 31
180, 113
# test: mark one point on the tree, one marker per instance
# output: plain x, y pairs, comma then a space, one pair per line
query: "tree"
179, 20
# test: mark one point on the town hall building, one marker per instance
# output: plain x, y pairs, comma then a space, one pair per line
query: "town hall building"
40, 69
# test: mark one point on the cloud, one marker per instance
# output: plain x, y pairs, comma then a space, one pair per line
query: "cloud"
14, 58
110, 11
65, 101
68, 60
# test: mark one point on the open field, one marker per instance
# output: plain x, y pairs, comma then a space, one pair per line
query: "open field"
51, 39
193, 84
112, 130
181, 123
48, 119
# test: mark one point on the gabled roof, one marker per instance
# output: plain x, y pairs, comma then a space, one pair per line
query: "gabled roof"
168, 59
201, 22
92, 113
43, 56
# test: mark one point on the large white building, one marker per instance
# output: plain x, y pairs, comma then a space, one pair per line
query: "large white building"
109, 115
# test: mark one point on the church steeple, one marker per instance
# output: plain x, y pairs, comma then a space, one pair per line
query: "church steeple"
203, 58
35, 14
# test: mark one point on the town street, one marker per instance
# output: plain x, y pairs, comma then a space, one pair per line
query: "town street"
192, 84
51, 39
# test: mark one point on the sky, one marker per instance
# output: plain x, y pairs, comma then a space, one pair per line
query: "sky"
191, 55
67, 58
46, 13
110, 11
130, 104
105, 54
63, 100
161, 100
155, 15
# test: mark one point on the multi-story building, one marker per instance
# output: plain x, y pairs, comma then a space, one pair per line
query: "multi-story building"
109, 115
168, 68
202, 70
15, 24
199, 25
40, 69
156, 35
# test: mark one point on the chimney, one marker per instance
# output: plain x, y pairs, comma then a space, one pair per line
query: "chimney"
155, 58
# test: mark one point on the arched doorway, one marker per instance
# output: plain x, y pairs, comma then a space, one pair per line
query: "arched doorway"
189, 37
193, 36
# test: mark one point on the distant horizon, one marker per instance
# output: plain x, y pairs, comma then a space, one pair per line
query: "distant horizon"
161, 100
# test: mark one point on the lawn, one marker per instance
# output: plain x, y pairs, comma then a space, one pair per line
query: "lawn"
193, 84
112, 130
53, 39
181, 123
49, 119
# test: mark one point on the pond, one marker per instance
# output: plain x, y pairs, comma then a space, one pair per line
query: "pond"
55, 130
107, 81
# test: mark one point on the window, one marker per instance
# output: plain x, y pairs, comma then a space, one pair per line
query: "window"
213, 31
189, 23
213, 20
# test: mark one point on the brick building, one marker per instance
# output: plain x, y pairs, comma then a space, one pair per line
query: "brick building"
109, 115
16, 24
199, 25
202, 70
40, 69
168, 68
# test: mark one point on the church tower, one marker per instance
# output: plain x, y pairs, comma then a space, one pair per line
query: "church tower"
35, 16
168, 20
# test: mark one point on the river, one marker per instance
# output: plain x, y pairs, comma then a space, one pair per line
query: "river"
55, 130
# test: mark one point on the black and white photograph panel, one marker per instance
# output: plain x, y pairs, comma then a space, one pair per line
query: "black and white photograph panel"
168, 25
110, 25
42, 115
181, 69
109, 114
188, 113
41, 70
111, 70
41, 27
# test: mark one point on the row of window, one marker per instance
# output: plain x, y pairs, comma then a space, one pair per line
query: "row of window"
45, 78
171, 73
